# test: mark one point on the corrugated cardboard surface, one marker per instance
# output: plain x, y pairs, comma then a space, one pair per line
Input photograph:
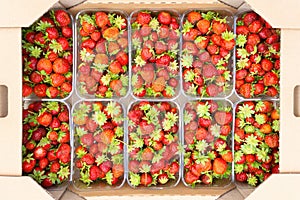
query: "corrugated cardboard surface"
11, 77
21, 188
281, 14
14, 13
289, 123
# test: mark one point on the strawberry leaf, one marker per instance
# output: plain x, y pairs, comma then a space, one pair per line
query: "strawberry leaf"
117, 159
134, 179
109, 177
154, 24
187, 117
203, 110
100, 118
187, 27
251, 179
201, 146
86, 56
187, 60
245, 111
64, 172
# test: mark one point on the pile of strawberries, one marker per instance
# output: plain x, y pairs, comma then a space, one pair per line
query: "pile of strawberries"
207, 47
153, 144
257, 57
256, 141
103, 54
99, 138
207, 135
47, 58
155, 54
46, 147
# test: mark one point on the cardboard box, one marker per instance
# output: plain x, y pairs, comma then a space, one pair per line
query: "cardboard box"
14, 14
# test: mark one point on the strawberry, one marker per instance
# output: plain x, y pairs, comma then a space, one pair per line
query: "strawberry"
241, 177
62, 17
272, 140
45, 119
214, 154
50, 43
101, 19
216, 38
44, 64
164, 17
28, 165
103, 54
101, 133
190, 178
143, 18
155, 46
159, 134
146, 179
193, 17
223, 118
147, 73
254, 39
219, 166
203, 25
252, 163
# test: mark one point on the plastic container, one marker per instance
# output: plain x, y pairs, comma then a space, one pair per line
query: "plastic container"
258, 133
64, 137
207, 140
155, 54
206, 58
99, 138
263, 63
102, 64
154, 155
33, 70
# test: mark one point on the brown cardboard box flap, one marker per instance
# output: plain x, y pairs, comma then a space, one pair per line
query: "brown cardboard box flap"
11, 126
180, 191
278, 186
289, 102
22, 188
16, 13
280, 14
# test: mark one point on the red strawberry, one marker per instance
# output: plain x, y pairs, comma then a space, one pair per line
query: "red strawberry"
190, 178
143, 18
272, 140
61, 66
146, 179
101, 19
209, 71
164, 18
219, 166
245, 90
223, 118
62, 17
203, 26
44, 64
87, 139
219, 27
270, 78
242, 177
106, 166
147, 73
28, 165
193, 17
88, 159
44, 119
146, 128
212, 90
39, 153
